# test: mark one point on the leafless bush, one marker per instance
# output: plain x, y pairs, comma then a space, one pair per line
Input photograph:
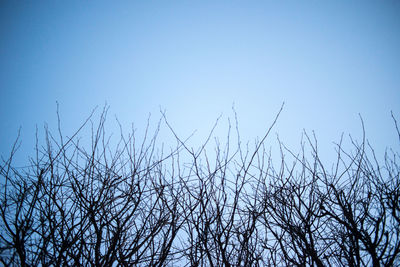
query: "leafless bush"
136, 205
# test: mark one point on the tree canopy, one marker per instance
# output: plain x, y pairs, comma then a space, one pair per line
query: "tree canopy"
137, 204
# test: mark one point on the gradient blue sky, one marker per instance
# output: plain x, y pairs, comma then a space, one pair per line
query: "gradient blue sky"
328, 60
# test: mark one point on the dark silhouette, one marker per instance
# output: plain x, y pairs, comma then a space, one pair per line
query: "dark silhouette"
134, 205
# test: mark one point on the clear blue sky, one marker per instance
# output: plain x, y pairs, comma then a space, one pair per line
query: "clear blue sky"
328, 60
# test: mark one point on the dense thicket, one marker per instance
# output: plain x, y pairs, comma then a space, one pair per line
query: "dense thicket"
137, 205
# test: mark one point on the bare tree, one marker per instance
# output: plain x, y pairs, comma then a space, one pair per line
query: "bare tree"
132, 203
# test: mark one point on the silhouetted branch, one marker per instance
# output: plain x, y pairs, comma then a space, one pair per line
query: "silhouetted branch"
132, 204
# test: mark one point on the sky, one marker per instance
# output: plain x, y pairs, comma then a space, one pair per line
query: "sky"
328, 61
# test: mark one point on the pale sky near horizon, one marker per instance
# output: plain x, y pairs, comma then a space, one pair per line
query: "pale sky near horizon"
329, 61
